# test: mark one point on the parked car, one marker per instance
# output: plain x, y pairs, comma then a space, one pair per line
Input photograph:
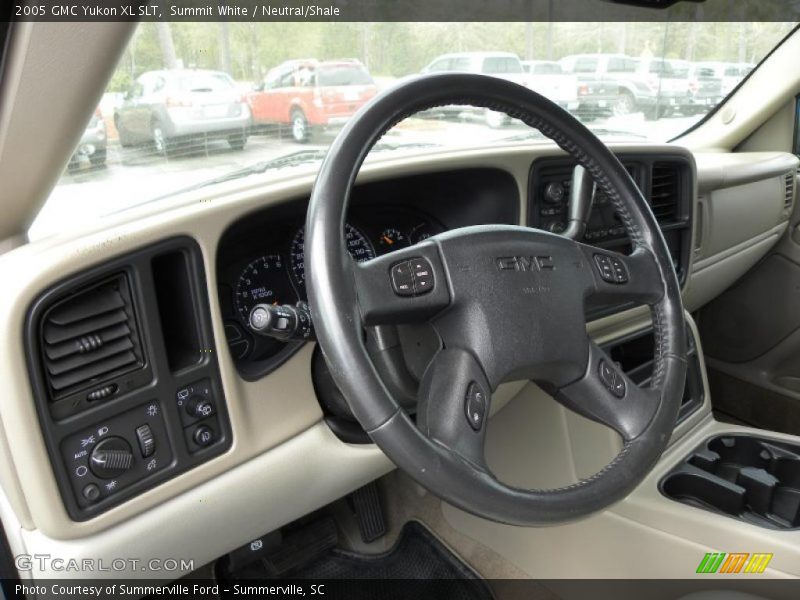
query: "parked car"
598, 91
622, 84
705, 89
731, 74
170, 108
311, 95
505, 65
548, 78
92, 146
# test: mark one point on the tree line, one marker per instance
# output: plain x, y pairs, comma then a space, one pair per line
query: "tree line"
248, 50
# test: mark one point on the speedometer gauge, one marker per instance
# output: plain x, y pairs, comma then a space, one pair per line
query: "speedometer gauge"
358, 246
263, 281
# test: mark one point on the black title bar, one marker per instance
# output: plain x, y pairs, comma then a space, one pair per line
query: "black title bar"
404, 10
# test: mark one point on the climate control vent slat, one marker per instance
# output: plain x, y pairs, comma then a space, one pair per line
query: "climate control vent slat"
790, 177
87, 343
78, 361
95, 370
72, 312
90, 336
55, 334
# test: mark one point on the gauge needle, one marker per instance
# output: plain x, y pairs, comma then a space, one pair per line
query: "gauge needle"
388, 240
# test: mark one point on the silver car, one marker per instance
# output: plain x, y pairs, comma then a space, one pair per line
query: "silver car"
173, 108
92, 146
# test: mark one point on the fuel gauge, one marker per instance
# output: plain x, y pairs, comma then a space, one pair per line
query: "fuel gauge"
422, 232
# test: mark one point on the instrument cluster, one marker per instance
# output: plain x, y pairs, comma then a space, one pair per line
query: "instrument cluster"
269, 268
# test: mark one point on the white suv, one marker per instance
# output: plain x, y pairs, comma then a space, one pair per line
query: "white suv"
505, 65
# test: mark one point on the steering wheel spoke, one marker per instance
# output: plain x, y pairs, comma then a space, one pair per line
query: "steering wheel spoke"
619, 278
453, 404
406, 286
607, 395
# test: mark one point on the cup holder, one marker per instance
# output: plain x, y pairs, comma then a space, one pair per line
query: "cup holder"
752, 479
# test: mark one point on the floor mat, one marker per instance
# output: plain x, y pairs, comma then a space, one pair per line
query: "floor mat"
429, 568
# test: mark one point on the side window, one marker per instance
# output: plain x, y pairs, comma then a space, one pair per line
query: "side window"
287, 79
585, 65
659, 67
304, 77
146, 86
621, 64
501, 64
272, 80
797, 126
137, 89
459, 64
548, 69
439, 65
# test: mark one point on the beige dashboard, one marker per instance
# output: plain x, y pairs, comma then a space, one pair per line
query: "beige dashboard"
284, 461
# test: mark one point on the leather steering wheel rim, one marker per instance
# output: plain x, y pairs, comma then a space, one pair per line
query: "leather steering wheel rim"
545, 276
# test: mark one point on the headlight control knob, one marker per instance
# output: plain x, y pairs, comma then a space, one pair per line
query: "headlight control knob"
282, 321
111, 458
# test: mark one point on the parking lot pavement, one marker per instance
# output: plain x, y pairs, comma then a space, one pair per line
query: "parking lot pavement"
135, 175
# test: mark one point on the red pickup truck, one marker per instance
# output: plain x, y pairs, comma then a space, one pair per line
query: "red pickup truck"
311, 95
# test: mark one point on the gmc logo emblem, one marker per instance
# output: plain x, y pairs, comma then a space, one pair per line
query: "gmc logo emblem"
525, 263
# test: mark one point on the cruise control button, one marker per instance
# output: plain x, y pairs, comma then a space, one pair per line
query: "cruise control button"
620, 274
402, 279
604, 267
613, 381
475, 406
422, 273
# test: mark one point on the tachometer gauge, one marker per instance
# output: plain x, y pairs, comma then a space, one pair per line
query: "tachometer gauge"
263, 281
392, 239
358, 246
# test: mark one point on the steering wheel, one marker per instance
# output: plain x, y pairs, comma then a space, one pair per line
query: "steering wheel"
507, 303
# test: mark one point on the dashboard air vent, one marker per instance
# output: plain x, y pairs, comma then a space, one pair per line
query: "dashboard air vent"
665, 191
90, 336
790, 176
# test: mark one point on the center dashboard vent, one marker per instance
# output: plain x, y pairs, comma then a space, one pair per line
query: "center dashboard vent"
665, 191
790, 176
90, 336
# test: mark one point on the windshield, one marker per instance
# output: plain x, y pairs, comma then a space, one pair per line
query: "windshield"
195, 104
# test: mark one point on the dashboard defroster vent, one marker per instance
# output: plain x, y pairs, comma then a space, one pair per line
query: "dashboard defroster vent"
665, 192
90, 336
790, 177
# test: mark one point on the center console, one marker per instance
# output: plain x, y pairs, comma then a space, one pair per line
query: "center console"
666, 184
634, 356
126, 381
